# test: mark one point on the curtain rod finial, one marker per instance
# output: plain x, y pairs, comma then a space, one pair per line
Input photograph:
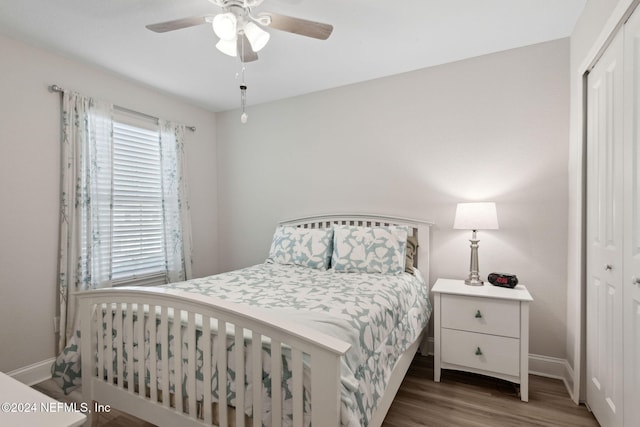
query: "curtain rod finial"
55, 88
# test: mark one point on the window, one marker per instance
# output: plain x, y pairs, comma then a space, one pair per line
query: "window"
138, 243
135, 221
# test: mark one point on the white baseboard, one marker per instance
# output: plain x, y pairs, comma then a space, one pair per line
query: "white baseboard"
553, 367
544, 366
33, 374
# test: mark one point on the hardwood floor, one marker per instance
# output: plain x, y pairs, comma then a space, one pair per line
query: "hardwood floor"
467, 400
459, 400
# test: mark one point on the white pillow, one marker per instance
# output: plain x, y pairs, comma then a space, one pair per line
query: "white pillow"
308, 247
369, 249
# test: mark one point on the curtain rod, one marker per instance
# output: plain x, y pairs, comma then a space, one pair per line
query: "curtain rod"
56, 88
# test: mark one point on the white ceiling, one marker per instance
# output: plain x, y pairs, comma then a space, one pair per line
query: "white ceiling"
371, 39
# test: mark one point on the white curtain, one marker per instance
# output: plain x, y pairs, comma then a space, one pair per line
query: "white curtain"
175, 204
84, 261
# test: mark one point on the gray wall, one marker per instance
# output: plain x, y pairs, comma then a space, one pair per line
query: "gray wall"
493, 128
29, 194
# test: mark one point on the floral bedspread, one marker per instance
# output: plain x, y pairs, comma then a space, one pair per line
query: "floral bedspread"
379, 314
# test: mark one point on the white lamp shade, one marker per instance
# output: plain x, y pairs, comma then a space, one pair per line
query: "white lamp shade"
476, 216
256, 35
224, 25
228, 47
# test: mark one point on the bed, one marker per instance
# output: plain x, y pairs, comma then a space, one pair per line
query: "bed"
304, 339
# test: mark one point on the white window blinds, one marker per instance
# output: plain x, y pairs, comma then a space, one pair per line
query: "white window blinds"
138, 244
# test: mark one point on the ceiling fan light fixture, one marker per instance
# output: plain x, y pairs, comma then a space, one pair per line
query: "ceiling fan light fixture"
225, 25
256, 35
228, 47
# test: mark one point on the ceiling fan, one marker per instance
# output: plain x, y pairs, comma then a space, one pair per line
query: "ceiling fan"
241, 32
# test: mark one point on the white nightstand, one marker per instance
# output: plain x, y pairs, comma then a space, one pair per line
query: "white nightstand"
482, 329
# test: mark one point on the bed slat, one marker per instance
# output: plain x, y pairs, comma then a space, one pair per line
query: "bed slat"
109, 343
129, 348
119, 343
325, 392
297, 385
164, 346
100, 320
177, 359
276, 383
191, 367
256, 367
153, 358
141, 351
206, 367
239, 366
222, 374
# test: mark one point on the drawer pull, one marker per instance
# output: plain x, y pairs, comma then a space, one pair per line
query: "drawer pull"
478, 352
478, 315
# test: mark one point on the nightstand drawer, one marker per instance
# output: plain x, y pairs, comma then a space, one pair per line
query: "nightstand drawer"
484, 352
484, 315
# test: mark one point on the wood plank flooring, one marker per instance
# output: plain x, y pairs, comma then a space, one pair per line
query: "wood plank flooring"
468, 400
459, 400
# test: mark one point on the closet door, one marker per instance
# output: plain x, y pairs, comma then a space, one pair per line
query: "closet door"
605, 236
631, 276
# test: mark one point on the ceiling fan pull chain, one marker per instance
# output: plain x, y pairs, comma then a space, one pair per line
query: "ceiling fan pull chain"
243, 97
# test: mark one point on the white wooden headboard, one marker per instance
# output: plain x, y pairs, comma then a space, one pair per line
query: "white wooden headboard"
417, 228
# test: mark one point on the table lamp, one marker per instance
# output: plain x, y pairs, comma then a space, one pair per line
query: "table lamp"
475, 216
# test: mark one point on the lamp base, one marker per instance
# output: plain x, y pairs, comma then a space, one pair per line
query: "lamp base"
473, 282
474, 277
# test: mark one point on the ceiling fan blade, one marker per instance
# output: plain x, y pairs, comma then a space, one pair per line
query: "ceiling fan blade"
245, 51
316, 30
178, 24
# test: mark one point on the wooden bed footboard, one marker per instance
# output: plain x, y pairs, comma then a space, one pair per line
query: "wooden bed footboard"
108, 315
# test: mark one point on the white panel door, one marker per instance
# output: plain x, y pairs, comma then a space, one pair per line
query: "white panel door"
631, 276
604, 236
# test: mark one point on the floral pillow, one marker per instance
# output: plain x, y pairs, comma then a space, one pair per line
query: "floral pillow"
369, 249
307, 247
